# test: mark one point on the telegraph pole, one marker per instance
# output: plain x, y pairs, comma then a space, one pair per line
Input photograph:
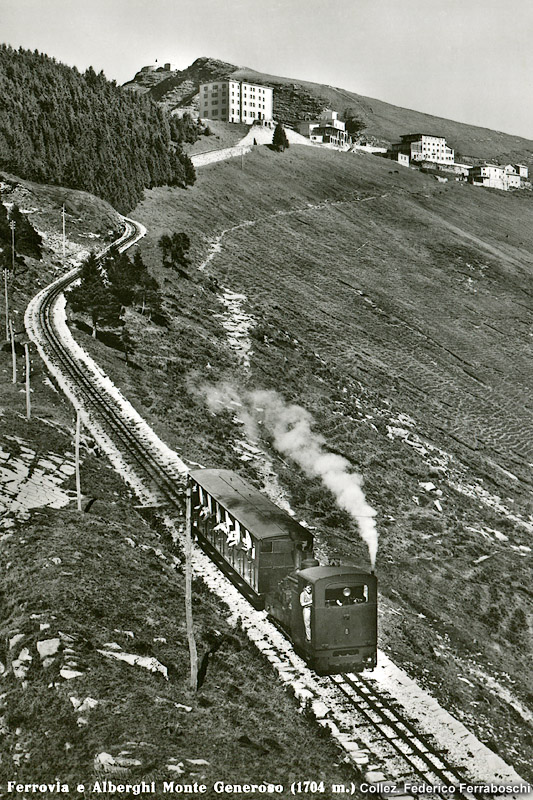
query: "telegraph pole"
28, 398
63, 215
12, 226
13, 354
188, 591
6, 296
77, 458
6, 300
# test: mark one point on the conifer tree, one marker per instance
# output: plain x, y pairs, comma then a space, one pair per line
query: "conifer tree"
175, 249
118, 269
80, 130
27, 240
279, 139
138, 268
147, 294
126, 341
93, 297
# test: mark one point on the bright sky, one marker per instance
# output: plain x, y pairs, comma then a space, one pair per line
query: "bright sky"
468, 60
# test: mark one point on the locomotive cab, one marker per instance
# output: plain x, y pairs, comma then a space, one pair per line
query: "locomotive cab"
334, 618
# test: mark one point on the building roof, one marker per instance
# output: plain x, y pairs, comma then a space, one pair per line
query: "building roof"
433, 135
259, 515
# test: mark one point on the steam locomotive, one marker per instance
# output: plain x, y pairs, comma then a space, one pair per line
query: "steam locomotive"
329, 613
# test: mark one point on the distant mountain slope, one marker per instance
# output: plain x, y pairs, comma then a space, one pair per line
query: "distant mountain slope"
295, 100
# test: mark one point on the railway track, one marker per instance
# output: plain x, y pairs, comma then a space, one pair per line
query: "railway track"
397, 751
413, 757
39, 323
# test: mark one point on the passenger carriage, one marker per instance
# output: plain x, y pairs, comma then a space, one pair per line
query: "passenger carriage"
250, 538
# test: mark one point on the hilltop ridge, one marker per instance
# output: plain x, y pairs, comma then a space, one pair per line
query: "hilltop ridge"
296, 100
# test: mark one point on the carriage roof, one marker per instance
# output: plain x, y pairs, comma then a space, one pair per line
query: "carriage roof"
263, 518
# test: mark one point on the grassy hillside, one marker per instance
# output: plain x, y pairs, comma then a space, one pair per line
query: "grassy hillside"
111, 575
295, 100
107, 576
387, 122
398, 311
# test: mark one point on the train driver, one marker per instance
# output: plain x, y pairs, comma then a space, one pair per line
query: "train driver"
306, 601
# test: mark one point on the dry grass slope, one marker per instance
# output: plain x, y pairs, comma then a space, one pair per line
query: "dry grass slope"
378, 296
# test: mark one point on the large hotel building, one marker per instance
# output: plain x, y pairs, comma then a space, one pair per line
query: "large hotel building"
235, 101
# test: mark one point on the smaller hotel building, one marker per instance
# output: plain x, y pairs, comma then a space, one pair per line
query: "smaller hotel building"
236, 101
327, 129
497, 177
423, 147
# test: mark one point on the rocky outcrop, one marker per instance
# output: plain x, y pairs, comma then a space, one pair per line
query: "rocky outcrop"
179, 89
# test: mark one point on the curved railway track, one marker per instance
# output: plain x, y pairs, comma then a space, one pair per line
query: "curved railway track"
396, 749
39, 318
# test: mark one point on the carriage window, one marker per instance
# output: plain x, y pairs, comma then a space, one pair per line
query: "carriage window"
266, 547
346, 595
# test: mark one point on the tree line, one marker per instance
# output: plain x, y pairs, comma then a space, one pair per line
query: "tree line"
80, 130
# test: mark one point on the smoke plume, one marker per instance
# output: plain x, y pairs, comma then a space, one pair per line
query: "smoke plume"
290, 427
